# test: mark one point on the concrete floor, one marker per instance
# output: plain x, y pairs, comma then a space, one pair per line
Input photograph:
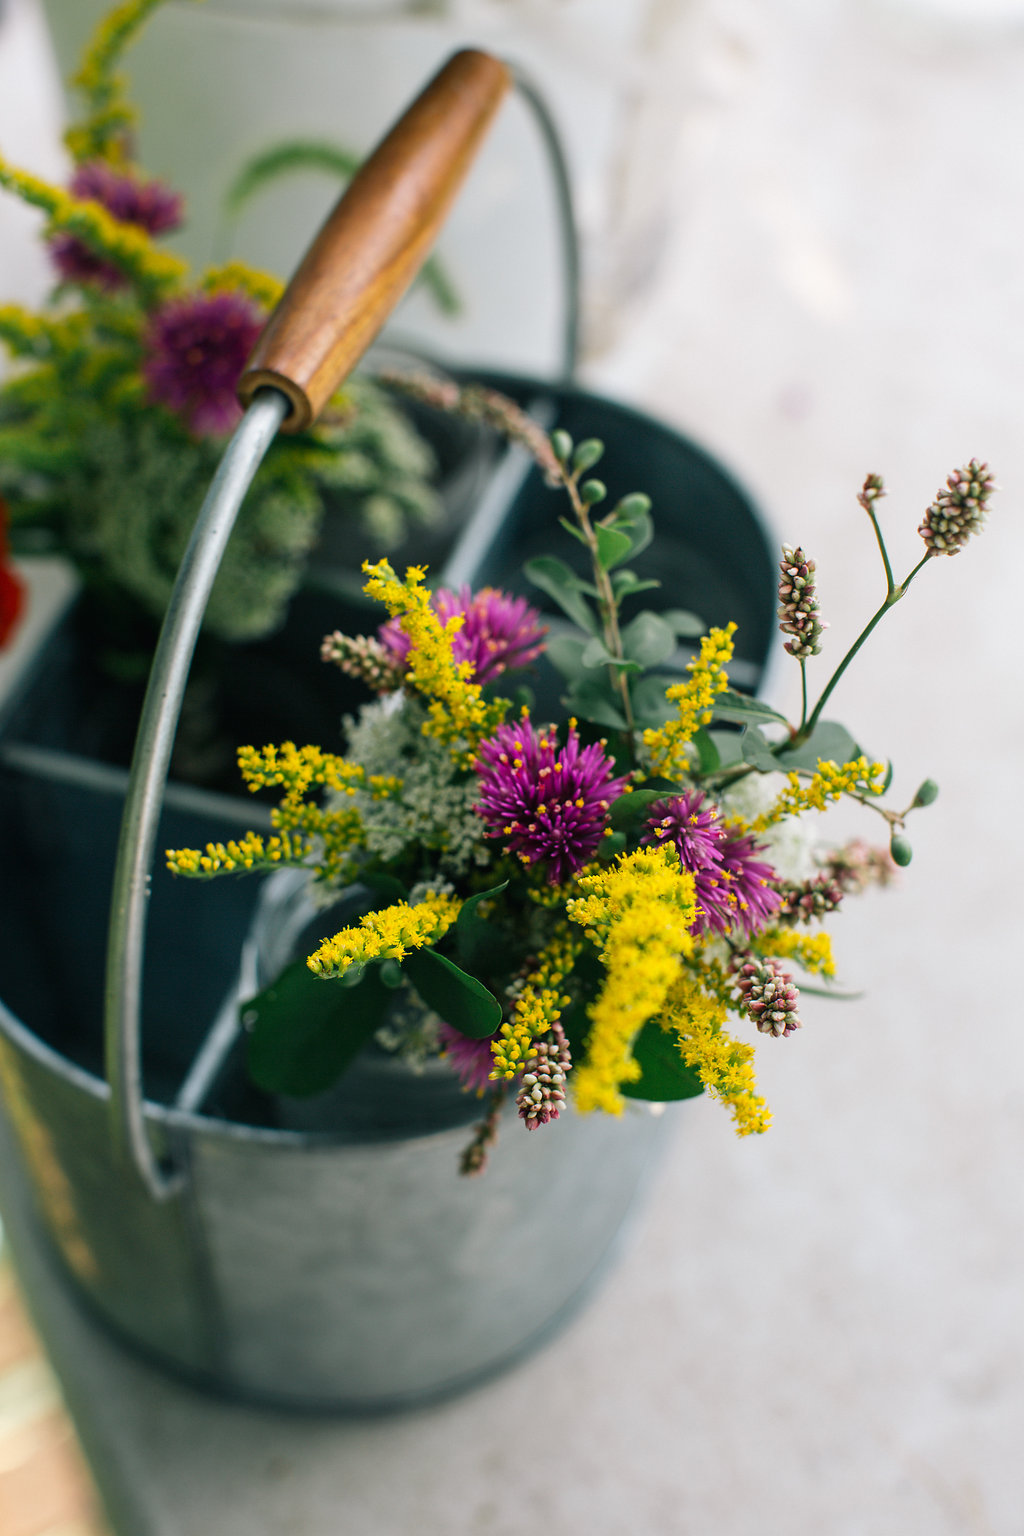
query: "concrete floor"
821, 1330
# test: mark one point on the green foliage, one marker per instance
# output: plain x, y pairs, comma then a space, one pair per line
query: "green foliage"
453, 994
663, 1074
304, 1033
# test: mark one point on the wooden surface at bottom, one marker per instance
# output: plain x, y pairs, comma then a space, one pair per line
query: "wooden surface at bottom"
45, 1487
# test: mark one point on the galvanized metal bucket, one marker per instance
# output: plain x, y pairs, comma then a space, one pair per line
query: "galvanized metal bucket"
349, 1268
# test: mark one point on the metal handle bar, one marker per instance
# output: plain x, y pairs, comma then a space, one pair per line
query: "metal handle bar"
353, 275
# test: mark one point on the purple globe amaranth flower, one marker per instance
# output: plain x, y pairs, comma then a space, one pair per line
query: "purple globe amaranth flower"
547, 802
196, 348
499, 632
470, 1060
150, 205
751, 881
731, 884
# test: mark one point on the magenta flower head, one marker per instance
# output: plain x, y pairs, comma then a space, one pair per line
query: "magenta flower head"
731, 884
148, 204
196, 348
470, 1060
547, 802
499, 632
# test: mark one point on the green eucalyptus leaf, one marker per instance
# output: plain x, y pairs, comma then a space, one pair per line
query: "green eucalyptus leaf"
829, 741
577, 533
555, 578
304, 1032
737, 706
613, 547
729, 747
597, 654
632, 507
640, 531
664, 1075
687, 625
648, 639
565, 653
591, 699
458, 998
650, 707
561, 443
625, 583
756, 751
589, 452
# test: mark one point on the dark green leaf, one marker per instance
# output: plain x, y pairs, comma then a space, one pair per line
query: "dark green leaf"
305, 1031
737, 706
648, 639
708, 757
385, 886
458, 998
663, 1073
555, 578
613, 547
477, 941
633, 807
589, 698
828, 741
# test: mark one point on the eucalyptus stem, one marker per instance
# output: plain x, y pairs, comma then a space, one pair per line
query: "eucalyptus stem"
607, 605
892, 597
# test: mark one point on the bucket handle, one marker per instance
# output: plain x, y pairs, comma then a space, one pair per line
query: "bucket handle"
358, 267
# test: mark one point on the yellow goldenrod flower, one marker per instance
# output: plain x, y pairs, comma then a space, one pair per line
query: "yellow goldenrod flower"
812, 950
724, 1065
829, 783
457, 708
694, 701
235, 277
387, 935
250, 852
538, 1006
129, 248
640, 911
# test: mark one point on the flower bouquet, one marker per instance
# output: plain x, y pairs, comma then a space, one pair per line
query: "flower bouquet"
115, 414
605, 906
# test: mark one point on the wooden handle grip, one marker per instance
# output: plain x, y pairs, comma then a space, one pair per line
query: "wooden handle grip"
375, 240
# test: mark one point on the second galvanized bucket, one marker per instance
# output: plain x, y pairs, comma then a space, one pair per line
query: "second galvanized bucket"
349, 1268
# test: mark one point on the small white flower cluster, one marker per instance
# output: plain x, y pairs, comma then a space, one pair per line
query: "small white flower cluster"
790, 845
436, 808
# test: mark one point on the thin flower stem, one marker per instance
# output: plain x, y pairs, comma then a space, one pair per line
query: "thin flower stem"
606, 601
890, 585
803, 692
891, 598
